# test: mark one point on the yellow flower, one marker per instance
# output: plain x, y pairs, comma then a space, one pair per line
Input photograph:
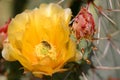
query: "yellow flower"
39, 39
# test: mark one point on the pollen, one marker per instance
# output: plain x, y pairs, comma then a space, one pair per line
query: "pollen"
44, 49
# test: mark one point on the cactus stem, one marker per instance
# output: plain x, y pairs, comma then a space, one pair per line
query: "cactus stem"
98, 61
113, 10
108, 17
107, 68
115, 47
67, 75
118, 3
85, 78
60, 1
115, 33
108, 37
111, 6
99, 28
105, 51
100, 9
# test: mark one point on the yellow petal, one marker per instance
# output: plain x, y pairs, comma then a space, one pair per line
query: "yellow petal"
8, 51
39, 39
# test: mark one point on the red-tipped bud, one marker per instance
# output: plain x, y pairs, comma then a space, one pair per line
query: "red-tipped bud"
84, 25
3, 31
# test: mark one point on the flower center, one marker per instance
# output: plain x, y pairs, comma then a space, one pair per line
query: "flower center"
44, 49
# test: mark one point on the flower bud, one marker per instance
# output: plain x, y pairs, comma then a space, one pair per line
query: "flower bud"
3, 32
84, 25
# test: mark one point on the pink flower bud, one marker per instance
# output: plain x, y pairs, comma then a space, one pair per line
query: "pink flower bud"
84, 25
4, 27
3, 31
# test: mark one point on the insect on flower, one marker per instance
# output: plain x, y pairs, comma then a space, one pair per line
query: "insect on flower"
84, 25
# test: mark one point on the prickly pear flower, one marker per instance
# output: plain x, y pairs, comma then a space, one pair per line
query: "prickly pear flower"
3, 32
39, 39
83, 24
